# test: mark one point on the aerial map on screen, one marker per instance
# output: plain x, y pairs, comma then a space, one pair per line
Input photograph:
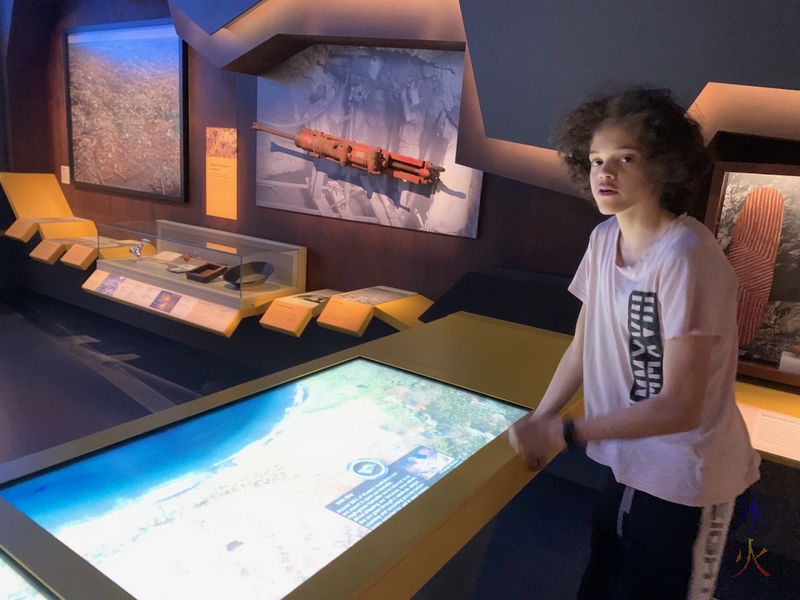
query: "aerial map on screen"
250, 500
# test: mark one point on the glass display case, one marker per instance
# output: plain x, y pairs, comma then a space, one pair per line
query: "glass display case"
235, 271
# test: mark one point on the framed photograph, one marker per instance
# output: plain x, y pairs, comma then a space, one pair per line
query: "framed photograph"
398, 100
126, 108
754, 210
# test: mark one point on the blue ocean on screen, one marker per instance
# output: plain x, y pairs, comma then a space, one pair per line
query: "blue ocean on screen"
96, 485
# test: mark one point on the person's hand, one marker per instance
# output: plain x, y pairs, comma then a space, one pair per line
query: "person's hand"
535, 438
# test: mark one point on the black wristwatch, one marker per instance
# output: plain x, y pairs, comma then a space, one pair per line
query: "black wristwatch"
569, 435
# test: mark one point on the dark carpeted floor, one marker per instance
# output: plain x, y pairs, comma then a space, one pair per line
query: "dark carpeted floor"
66, 373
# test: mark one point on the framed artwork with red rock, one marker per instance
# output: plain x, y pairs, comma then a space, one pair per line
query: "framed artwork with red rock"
754, 210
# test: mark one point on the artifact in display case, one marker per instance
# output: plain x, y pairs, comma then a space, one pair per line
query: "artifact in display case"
232, 501
214, 278
252, 273
207, 272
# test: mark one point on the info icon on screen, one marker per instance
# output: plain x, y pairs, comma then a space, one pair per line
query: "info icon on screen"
368, 468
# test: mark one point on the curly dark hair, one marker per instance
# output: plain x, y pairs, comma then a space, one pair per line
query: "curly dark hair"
670, 139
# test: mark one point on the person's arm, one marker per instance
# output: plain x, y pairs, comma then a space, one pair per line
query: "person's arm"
568, 376
676, 408
566, 380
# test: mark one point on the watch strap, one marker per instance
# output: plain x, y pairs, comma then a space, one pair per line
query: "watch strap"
569, 435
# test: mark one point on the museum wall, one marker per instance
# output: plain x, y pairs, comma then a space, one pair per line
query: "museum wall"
520, 226
5, 17
571, 49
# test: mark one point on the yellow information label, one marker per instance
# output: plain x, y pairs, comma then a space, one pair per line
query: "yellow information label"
79, 256
346, 316
48, 251
286, 317
22, 230
221, 167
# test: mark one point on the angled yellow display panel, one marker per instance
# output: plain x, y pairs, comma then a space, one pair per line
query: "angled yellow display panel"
40, 206
403, 313
34, 195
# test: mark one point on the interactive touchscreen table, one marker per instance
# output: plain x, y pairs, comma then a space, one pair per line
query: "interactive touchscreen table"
253, 494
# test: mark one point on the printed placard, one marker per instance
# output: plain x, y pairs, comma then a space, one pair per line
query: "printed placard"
22, 230
346, 316
48, 251
221, 167
286, 317
193, 311
79, 256
777, 434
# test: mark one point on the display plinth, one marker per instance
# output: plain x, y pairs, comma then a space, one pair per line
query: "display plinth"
164, 302
123, 250
79, 256
167, 250
291, 314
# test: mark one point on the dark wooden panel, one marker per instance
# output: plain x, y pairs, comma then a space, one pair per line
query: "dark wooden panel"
741, 147
29, 135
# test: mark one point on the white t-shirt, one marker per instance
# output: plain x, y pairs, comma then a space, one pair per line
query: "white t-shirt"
683, 286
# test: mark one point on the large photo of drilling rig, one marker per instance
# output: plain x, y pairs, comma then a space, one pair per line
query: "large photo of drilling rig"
366, 134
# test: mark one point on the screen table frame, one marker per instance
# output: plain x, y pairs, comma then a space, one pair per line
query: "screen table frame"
396, 559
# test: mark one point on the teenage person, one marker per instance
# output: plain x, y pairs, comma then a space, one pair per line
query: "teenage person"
656, 350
